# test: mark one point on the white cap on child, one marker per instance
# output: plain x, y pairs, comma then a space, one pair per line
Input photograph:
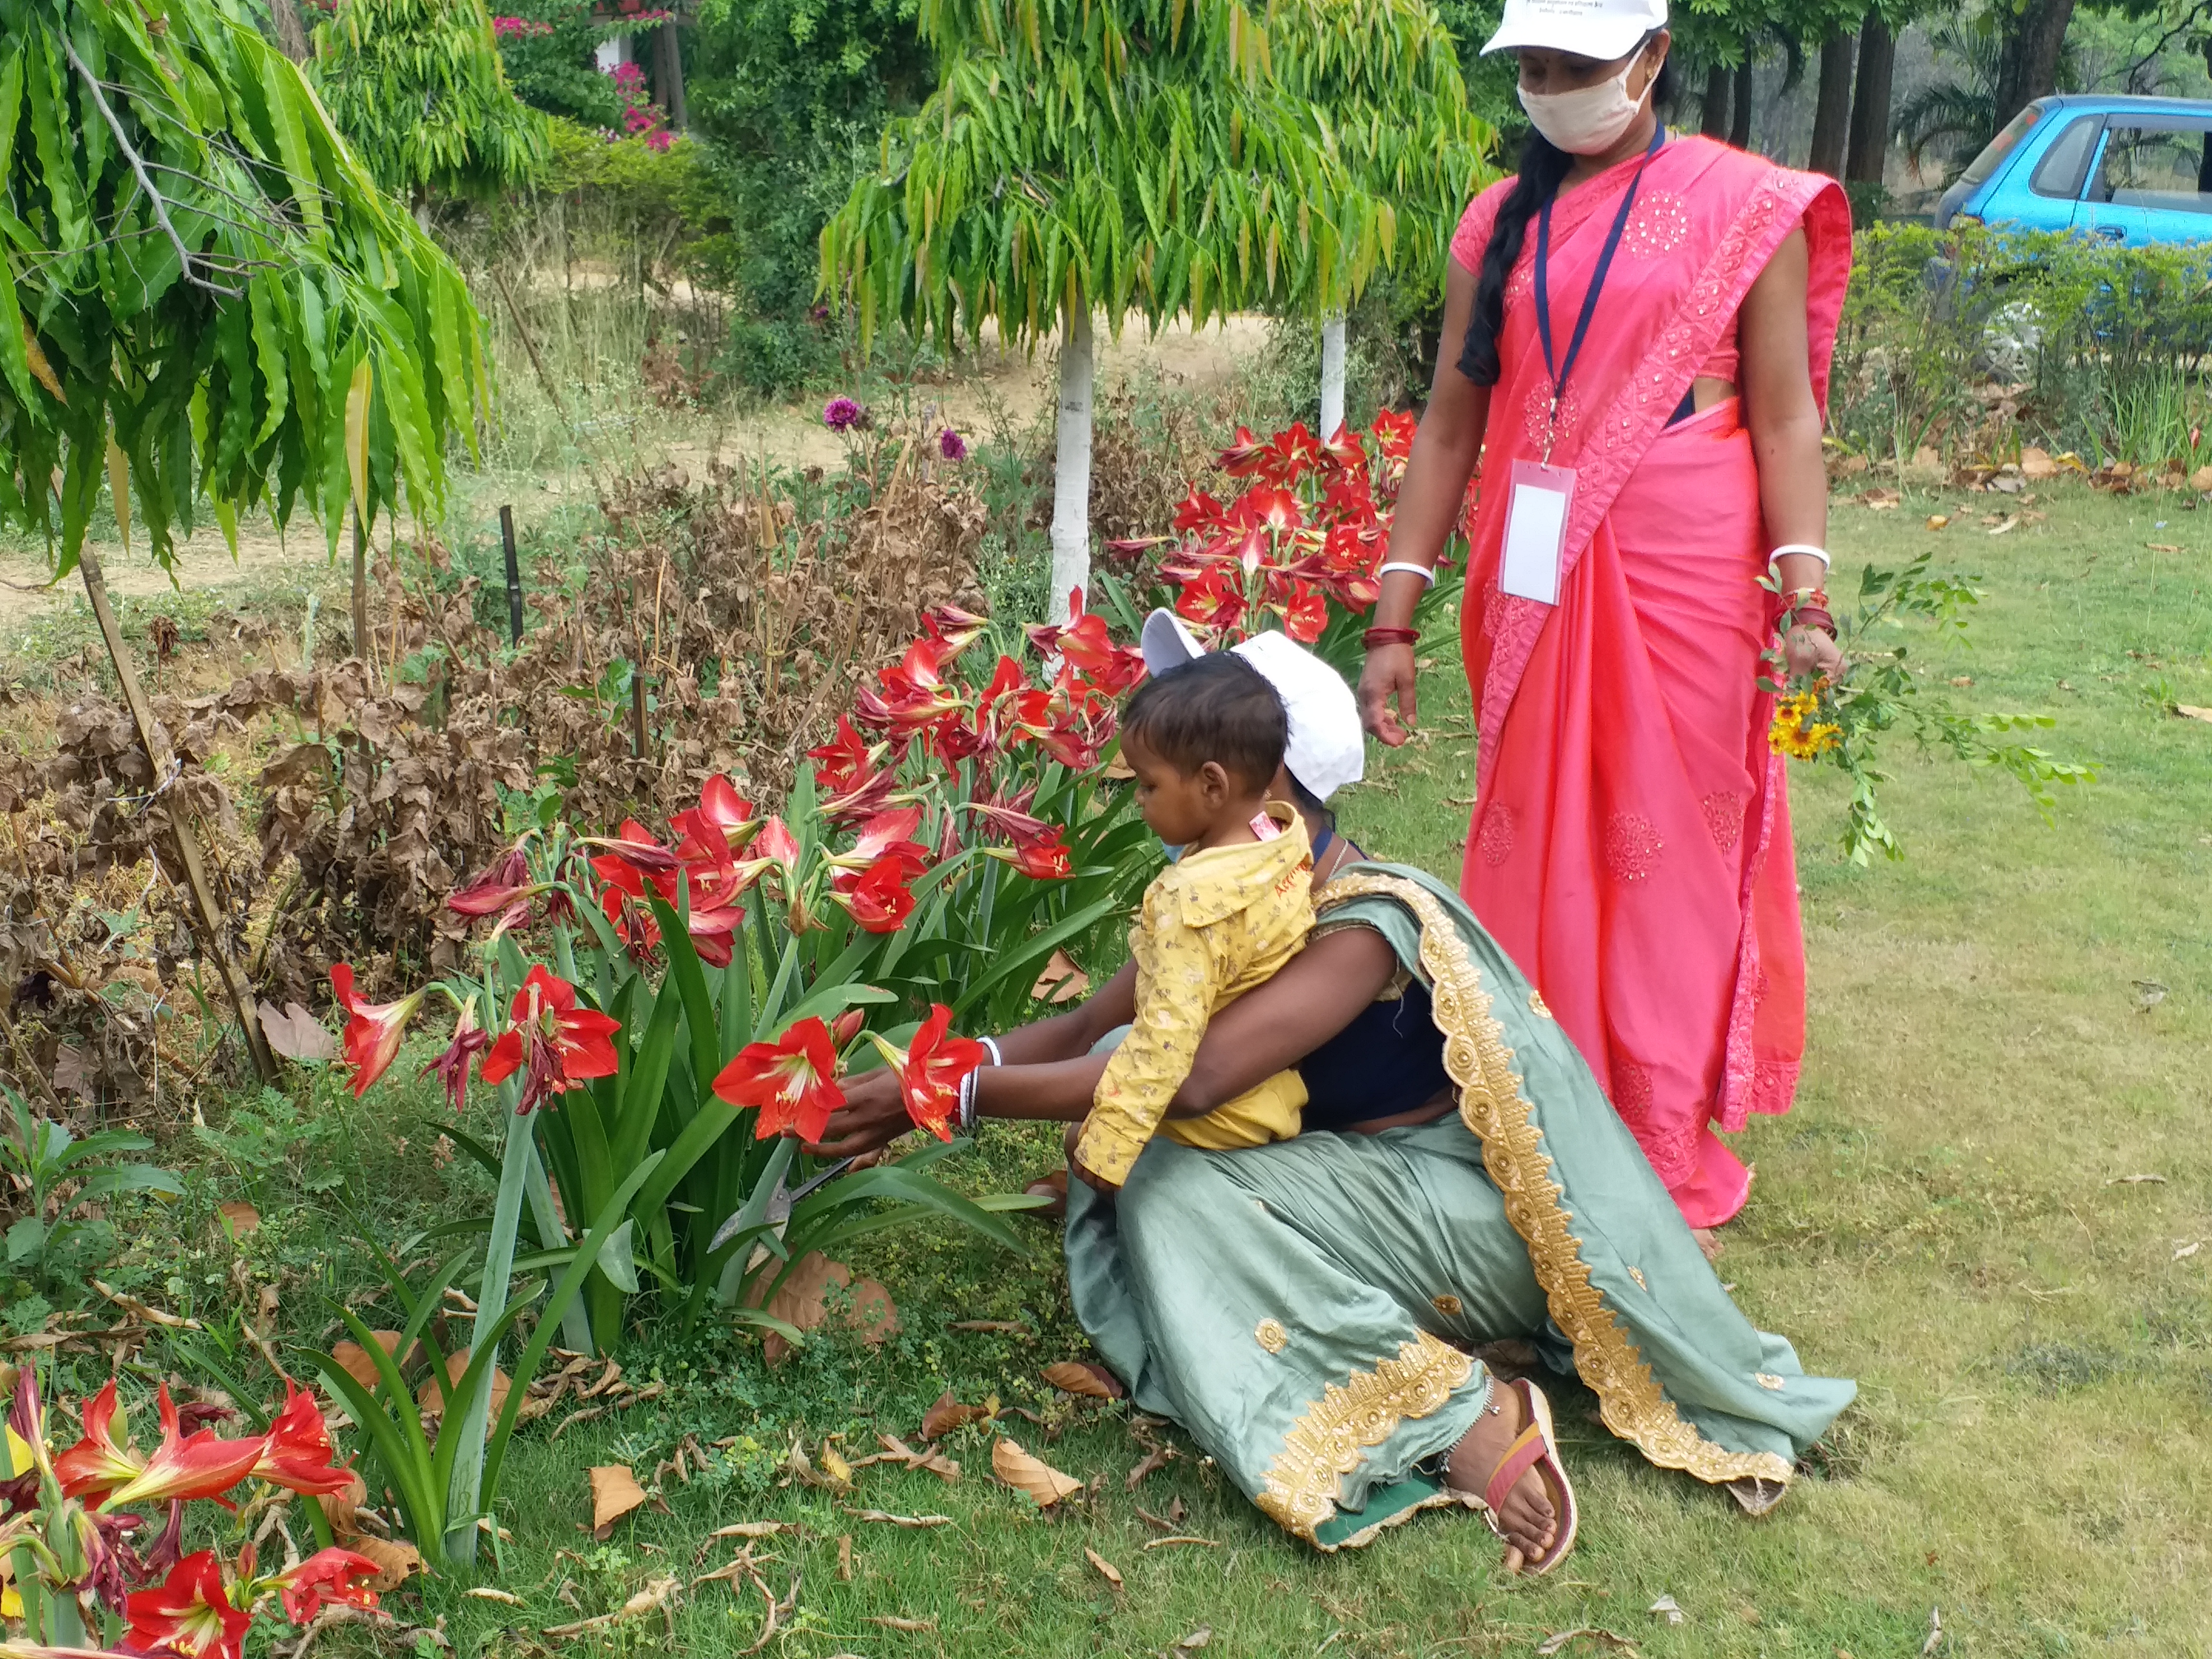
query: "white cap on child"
1327, 748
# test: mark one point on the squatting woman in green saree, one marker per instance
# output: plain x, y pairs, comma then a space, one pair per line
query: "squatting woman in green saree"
1307, 1311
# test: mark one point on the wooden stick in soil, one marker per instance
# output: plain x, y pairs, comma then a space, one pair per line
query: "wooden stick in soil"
513, 576
187, 840
361, 646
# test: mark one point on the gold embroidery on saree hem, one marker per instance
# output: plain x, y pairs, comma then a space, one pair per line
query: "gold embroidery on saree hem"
1335, 1433
1630, 1399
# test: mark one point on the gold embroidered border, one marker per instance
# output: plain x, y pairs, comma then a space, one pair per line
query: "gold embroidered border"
1331, 1438
1629, 1399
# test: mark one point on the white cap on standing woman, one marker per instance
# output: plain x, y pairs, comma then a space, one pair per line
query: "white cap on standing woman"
1600, 30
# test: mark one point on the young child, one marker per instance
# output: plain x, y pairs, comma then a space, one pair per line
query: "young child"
1204, 739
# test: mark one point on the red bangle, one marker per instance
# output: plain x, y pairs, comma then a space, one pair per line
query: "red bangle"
1813, 616
1375, 636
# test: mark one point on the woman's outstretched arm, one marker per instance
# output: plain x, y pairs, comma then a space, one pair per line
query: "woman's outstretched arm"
1278, 1025
1445, 449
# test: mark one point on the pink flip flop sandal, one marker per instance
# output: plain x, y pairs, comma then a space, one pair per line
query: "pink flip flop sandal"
1536, 1448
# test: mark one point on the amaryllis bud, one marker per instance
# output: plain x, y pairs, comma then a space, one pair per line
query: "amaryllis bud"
846, 1025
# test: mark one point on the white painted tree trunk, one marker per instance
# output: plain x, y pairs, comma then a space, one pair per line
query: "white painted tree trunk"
1071, 478
1331, 375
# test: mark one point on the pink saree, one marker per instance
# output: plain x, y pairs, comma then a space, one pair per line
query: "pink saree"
1629, 845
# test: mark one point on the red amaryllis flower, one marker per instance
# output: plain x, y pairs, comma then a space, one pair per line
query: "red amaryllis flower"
952, 628
636, 847
101, 1467
915, 692
846, 760
1048, 860
1305, 613
792, 1081
296, 1453
1244, 456
373, 1029
189, 1616
1214, 600
1007, 818
888, 835
327, 1576
503, 886
470, 1040
1197, 511
878, 897
1346, 449
722, 824
929, 1070
556, 1044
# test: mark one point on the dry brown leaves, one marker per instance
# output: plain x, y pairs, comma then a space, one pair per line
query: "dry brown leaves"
615, 1493
1079, 1377
948, 1415
804, 1297
1031, 1476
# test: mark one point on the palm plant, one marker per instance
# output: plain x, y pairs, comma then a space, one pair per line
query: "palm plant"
1961, 115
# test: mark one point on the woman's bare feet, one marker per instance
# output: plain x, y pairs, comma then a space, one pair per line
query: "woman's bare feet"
1526, 1518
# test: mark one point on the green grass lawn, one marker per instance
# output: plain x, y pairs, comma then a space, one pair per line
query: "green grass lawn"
1942, 1216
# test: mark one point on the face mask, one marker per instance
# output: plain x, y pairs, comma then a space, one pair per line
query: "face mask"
1587, 121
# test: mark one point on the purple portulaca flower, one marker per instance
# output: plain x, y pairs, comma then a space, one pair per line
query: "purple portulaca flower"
841, 414
951, 445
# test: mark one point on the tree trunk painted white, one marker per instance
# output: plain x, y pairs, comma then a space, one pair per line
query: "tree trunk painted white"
1071, 478
1332, 374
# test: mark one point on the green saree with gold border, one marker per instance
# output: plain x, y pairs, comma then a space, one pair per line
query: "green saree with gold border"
1305, 1309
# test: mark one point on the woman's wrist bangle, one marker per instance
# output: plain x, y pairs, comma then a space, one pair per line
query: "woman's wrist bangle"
1377, 636
1797, 598
1774, 559
991, 1043
1426, 574
967, 1114
1813, 616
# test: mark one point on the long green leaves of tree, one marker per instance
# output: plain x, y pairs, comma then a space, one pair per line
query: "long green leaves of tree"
193, 261
1127, 155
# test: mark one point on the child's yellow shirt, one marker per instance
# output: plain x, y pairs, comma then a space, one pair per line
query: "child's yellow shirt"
1214, 924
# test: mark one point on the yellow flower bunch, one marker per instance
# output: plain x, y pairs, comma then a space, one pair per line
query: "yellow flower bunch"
1796, 732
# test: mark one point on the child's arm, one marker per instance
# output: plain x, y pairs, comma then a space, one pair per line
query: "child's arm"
1146, 1071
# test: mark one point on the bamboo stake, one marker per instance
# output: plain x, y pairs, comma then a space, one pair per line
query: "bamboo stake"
181, 829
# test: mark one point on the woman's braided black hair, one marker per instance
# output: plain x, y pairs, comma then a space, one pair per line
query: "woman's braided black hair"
1544, 167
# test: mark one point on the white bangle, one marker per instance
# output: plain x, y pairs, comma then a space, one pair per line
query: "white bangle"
965, 1115
1421, 570
1774, 559
991, 1043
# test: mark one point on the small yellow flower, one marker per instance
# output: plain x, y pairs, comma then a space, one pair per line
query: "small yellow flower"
1792, 735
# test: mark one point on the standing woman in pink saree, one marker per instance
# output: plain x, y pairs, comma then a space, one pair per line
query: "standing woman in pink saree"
1647, 321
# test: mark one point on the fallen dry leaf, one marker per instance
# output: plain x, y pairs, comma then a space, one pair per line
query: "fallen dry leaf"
1191, 1643
1004, 1326
1668, 1608
2183, 1252
910, 1522
946, 1415
2149, 993
803, 1300
296, 1034
656, 1593
2037, 464
1556, 1643
343, 1509
1061, 980
432, 1398
1962, 680
2190, 712
750, 1529
486, 1593
615, 1493
1938, 520
354, 1359
2162, 547
1170, 1542
1106, 1570
1042, 1482
240, 1217
1091, 1382
397, 1561
892, 1621
845, 1558
2008, 523
1151, 1463
2135, 1180
1934, 1632
835, 1465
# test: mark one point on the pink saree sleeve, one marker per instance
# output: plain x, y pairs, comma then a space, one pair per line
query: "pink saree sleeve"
1631, 841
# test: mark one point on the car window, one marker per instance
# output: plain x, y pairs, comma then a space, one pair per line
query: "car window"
2163, 163
2059, 174
1998, 147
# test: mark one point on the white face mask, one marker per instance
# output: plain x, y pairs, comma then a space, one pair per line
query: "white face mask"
1587, 121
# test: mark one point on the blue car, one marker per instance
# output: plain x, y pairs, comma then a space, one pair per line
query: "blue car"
2129, 171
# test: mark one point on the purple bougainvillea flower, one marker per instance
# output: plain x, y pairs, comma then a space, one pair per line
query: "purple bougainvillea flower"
951, 445
841, 414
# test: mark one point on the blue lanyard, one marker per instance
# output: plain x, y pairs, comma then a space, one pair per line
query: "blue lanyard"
1597, 280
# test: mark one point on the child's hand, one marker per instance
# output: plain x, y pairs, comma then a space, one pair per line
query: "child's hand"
1098, 1183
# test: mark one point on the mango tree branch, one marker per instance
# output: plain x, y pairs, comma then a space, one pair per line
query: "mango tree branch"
154, 197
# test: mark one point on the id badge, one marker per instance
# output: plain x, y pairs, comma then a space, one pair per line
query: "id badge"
1536, 531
